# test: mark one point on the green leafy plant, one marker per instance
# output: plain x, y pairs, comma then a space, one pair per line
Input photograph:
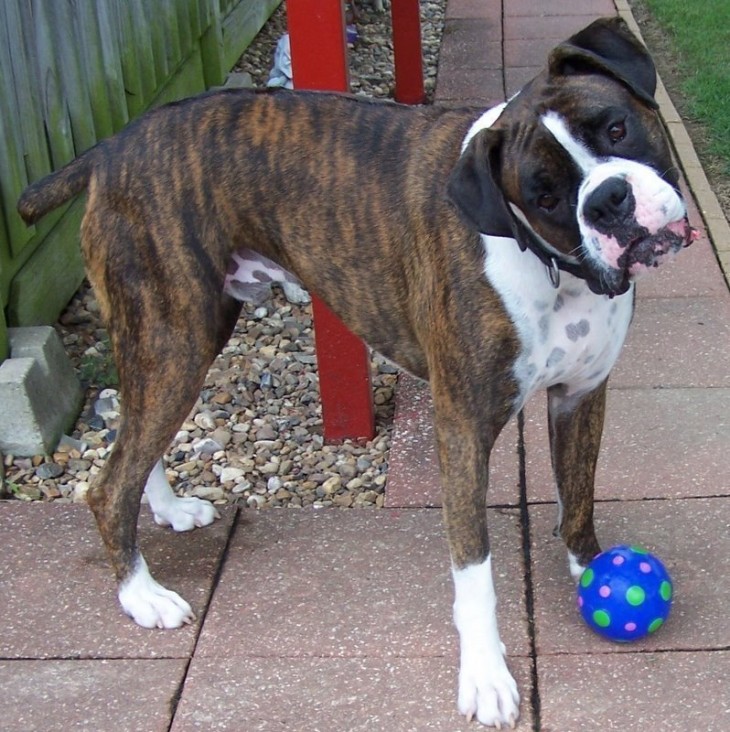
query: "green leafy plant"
99, 369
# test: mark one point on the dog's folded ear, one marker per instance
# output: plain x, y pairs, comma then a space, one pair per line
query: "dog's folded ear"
474, 185
608, 46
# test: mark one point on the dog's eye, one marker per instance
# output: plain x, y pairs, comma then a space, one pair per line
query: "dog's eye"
547, 202
617, 132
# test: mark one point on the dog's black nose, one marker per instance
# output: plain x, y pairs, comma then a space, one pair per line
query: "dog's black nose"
611, 203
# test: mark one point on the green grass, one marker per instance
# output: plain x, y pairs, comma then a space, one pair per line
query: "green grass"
700, 30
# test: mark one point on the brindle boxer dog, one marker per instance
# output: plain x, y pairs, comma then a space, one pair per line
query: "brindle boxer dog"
492, 254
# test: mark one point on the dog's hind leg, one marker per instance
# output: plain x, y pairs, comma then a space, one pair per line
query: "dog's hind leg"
182, 513
576, 426
167, 322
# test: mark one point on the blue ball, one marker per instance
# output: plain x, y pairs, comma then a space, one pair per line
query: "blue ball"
625, 593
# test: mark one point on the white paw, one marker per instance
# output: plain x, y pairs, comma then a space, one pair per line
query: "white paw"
182, 513
576, 568
185, 513
149, 604
488, 692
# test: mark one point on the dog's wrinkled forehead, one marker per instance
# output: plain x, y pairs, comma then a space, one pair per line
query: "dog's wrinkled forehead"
603, 116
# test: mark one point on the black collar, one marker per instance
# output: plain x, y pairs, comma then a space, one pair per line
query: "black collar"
556, 263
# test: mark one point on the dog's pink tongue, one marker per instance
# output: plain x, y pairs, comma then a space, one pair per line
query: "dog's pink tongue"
682, 229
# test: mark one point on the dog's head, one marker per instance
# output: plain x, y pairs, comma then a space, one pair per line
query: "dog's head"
577, 167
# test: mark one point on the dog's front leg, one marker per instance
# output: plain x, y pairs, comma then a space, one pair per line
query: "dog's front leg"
487, 690
576, 426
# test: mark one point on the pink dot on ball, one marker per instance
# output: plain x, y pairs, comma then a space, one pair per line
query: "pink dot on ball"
645, 567
630, 627
605, 591
580, 601
618, 560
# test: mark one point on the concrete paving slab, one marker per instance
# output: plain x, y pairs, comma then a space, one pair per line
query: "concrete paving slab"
657, 443
471, 45
57, 593
351, 583
545, 8
690, 536
635, 692
119, 695
516, 78
413, 469
677, 342
491, 9
538, 27
329, 695
533, 52
483, 89
694, 273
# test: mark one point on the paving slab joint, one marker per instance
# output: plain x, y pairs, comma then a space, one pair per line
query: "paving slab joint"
527, 558
39, 391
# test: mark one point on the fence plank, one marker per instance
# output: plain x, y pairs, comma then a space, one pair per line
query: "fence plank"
158, 42
196, 27
6, 270
174, 53
91, 63
17, 56
58, 123
112, 62
13, 175
131, 72
183, 27
241, 24
211, 42
64, 28
141, 40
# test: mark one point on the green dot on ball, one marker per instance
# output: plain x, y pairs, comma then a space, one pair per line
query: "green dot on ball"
639, 549
635, 595
665, 590
601, 618
587, 577
655, 625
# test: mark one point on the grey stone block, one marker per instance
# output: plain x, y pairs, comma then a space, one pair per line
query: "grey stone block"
39, 392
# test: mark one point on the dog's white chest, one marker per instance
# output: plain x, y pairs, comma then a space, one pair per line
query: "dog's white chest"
569, 335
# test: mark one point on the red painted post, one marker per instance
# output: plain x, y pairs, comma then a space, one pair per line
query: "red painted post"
318, 44
405, 15
319, 61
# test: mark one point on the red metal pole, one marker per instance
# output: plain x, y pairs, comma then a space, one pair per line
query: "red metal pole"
318, 44
319, 61
406, 18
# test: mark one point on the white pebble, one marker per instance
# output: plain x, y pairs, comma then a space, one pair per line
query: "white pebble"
230, 474
80, 490
205, 420
255, 501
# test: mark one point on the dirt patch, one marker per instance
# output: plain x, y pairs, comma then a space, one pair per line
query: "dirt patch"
670, 67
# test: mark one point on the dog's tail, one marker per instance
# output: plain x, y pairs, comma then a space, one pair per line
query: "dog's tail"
50, 192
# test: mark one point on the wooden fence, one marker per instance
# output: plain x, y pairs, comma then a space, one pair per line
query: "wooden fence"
71, 73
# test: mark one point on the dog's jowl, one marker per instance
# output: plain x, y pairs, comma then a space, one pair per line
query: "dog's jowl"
491, 253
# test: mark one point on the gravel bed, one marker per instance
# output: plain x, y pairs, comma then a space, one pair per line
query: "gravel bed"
254, 437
